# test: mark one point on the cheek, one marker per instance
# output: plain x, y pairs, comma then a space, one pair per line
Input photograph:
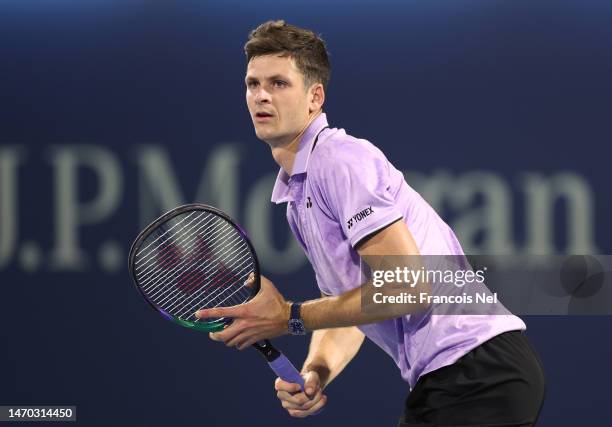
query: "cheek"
250, 97
290, 106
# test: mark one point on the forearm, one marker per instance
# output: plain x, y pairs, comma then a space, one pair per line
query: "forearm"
331, 350
347, 309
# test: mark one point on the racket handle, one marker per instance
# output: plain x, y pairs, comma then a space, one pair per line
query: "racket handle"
287, 372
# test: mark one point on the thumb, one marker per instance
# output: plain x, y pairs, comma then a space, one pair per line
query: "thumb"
312, 383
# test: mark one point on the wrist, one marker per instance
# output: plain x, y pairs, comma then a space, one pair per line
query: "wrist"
295, 325
286, 312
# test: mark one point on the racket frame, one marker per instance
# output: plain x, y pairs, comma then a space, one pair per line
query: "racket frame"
205, 326
277, 361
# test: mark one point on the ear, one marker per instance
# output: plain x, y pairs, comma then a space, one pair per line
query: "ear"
316, 97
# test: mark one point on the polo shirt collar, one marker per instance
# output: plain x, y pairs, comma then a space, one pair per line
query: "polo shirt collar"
280, 192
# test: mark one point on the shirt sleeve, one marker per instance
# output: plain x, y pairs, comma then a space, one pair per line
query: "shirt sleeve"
355, 185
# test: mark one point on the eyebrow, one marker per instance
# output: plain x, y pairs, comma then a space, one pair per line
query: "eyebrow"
271, 78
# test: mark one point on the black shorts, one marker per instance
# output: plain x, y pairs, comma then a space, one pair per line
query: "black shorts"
498, 384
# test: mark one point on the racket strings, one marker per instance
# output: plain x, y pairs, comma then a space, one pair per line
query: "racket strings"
167, 269
232, 298
173, 298
179, 272
200, 261
148, 274
207, 298
138, 254
214, 277
187, 240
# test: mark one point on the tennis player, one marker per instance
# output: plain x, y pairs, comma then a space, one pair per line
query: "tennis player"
346, 202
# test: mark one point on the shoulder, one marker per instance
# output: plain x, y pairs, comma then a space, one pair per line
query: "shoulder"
339, 152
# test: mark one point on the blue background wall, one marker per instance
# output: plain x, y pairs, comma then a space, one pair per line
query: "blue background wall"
498, 111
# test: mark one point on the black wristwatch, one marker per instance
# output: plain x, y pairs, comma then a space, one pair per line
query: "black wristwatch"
296, 324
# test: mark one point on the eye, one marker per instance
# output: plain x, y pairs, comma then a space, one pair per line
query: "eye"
252, 84
279, 83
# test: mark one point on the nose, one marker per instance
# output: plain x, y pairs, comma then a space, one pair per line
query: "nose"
261, 96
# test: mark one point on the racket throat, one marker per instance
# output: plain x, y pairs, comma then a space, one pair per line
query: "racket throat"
267, 350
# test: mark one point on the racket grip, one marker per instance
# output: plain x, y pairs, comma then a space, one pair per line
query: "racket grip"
287, 372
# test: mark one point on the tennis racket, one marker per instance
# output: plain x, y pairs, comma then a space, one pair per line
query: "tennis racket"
195, 257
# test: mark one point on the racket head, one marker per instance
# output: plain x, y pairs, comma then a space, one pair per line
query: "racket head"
194, 256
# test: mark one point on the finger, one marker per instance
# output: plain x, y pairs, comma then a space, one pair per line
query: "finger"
250, 281
233, 312
286, 386
284, 396
240, 341
304, 404
214, 336
290, 405
246, 340
231, 332
297, 399
250, 341
312, 402
312, 383
304, 413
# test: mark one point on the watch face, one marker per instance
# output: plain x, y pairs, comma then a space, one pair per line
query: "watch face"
296, 327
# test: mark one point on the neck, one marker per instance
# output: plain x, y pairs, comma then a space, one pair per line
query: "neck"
284, 154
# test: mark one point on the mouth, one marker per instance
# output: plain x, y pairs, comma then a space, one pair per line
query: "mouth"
263, 116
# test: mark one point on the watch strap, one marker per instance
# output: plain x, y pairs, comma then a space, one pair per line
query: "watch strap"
295, 311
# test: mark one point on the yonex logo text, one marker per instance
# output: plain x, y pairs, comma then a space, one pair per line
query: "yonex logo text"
359, 216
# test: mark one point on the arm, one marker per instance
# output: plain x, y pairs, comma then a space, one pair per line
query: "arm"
331, 350
346, 309
266, 315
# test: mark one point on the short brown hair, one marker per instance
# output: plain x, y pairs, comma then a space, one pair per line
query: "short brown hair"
304, 46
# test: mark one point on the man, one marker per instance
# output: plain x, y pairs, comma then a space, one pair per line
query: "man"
347, 204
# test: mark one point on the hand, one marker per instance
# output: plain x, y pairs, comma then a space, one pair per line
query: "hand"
265, 316
301, 404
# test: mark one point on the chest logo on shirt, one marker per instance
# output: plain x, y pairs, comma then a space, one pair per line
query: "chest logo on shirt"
359, 216
308, 203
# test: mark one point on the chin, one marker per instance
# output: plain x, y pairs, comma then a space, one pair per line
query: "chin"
261, 134
264, 135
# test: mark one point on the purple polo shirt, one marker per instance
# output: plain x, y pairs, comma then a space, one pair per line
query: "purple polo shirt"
344, 190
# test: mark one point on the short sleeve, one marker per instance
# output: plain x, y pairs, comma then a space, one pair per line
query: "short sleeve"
355, 184
322, 287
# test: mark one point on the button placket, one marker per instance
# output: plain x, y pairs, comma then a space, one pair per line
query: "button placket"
297, 193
